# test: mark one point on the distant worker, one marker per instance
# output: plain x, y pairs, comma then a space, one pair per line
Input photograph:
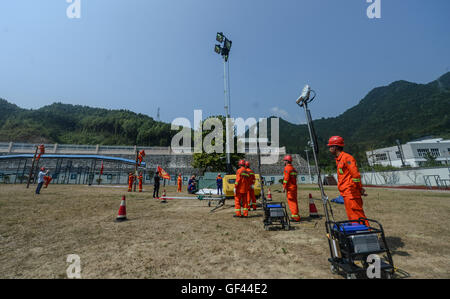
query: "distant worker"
191, 185
41, 176
47, 180
219, 182
290, 187
251, 188
179, 182
156, 180
240, 191
130, 181
349, 179
140, 178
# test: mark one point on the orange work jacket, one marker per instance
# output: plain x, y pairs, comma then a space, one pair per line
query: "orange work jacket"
242, 180
290, 178
349, 178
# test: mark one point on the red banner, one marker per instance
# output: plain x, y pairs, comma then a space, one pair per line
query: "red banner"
41, 151
163, 173
141, 157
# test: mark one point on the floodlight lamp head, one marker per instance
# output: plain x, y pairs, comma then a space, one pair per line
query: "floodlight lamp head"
228, 44
305, 95
218, 49
219, 37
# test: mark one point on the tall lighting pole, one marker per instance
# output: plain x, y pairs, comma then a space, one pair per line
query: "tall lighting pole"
223, 48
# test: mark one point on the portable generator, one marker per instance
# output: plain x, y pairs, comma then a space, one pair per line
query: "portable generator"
352, 242
275, 214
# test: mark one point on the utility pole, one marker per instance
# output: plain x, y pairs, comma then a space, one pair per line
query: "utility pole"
135, 171
400, 150
32, 167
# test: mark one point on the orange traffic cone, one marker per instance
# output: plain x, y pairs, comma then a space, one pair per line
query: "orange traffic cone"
269, 196
163, 197
312, 208
122, 216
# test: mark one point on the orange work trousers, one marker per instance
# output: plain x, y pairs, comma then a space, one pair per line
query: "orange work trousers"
130, 186
140, 187
241, 202
179, 188
251, 199
354, 207
293, 203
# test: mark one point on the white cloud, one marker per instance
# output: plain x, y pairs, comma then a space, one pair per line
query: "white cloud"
276, 111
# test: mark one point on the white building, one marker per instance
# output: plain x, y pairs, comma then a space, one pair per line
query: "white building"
413, 153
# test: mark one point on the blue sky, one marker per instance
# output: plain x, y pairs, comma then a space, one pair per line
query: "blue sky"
140, 54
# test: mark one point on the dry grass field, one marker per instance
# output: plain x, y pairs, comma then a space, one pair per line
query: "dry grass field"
182, 239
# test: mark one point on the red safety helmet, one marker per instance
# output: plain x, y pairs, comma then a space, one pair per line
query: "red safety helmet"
241, 162
247, 164
288, 158
336, 140
42, 168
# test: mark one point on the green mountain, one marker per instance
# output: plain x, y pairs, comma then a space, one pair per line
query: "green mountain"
401, 110
75, 124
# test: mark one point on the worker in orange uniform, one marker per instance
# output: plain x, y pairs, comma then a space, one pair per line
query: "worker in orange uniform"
251, 190
140, 178
47, 180
179, 182
240, 191
290, 187
349, 179
130, 181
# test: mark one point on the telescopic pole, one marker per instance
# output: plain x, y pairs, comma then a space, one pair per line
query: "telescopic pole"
315, 151
309, 167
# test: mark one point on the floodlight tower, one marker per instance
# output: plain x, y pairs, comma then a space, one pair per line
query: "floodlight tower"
224, 50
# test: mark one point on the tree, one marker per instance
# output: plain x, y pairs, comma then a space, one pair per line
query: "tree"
215, 161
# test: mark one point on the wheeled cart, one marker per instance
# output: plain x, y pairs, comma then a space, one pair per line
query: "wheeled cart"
355, 247
275, 214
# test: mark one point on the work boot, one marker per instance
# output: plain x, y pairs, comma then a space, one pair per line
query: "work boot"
237, 216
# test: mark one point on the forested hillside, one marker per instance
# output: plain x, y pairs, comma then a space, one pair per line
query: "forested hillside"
401, 110
74, 124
